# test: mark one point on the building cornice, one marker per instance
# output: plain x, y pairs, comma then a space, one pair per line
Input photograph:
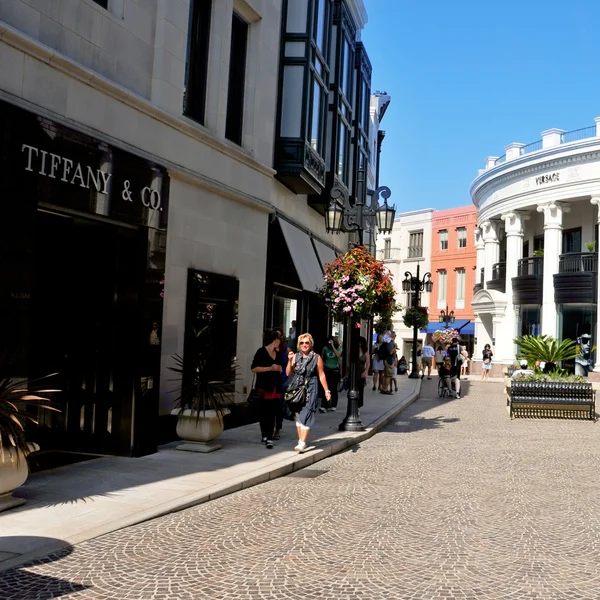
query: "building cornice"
494, 178
62, 63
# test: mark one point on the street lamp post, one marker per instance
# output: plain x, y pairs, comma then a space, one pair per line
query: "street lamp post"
344, 215
415, 285
447, 317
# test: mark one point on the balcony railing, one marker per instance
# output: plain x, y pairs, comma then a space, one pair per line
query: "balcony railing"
388, 253
415, 251
499, 271
569, 136
532, 265
578, 262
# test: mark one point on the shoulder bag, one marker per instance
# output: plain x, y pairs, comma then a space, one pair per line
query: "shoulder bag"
255, 396
295, 397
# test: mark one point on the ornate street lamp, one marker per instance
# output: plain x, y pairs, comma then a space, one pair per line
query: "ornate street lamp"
447, 317
415, 285
343, 215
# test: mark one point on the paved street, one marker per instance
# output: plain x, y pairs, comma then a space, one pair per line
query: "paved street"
451, 500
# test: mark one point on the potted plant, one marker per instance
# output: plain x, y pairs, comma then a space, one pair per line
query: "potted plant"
205, 393
536, 349
591, 246
538, 252
14, 446
416, 317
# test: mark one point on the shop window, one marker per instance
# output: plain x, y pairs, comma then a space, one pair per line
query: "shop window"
211, 318
194, 104
462, 237
444, 239
237, 80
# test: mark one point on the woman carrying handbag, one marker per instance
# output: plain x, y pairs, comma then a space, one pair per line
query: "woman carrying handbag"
304, 368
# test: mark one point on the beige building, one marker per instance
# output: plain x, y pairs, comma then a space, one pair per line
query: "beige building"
171, 160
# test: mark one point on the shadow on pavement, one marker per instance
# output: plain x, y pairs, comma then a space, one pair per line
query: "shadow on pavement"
23, 584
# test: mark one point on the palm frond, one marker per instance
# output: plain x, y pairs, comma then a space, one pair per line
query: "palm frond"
544, 348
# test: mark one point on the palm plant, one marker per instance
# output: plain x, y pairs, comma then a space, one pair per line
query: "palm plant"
544, 348
204, 383
13, 441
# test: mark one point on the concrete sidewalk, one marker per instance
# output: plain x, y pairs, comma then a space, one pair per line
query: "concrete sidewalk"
69, 505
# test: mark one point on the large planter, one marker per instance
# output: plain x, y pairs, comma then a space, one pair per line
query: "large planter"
13, 474
199, 430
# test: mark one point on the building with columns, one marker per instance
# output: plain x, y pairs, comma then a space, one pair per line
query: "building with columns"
536, 240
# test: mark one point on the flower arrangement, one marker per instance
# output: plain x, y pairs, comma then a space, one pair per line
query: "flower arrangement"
358, 285
416, 316
444, 336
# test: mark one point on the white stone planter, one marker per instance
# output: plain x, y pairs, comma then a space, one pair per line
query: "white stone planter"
13, 474
198, 431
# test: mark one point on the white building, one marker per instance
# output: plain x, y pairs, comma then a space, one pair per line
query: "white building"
405, 249
173, 149
537, 243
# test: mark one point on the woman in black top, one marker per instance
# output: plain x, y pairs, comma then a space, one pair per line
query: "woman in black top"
486, 364
266, 364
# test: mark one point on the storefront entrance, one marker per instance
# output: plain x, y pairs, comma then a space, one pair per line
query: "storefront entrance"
85, 323
83, 230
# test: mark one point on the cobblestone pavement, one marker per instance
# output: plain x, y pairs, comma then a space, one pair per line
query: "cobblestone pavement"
452, 500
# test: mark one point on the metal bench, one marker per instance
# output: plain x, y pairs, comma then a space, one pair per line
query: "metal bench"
549, 399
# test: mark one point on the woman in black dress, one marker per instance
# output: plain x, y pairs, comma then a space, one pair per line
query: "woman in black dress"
266, 364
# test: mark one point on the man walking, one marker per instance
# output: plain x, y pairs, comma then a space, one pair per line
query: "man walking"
427, 359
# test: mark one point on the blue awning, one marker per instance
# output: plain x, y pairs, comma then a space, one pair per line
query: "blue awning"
464, 326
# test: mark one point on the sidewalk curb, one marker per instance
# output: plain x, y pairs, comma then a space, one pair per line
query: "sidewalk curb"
284, 467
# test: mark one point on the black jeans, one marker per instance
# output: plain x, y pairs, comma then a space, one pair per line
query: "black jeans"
333, 381
269, 411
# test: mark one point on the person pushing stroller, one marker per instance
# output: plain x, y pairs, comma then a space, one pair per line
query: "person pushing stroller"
450, 376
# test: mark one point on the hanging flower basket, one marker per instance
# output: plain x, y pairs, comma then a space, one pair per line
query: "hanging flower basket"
444, 336
416, 316
358, 285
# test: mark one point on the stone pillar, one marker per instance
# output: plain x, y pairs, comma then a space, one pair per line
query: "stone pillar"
596, 201
480, 246
492, 247
553, 215
513, 228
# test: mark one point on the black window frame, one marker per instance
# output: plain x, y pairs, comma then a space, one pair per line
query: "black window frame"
234, 120
196, 68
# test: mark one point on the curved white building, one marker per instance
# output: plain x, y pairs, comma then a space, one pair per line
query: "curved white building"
536, 244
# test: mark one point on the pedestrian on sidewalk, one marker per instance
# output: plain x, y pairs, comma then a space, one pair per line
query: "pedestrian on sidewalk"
331, 355
486, 365
428, 354
266, 365
377, 363
307, 364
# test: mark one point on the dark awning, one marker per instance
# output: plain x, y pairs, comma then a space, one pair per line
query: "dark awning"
303, 256
325, 253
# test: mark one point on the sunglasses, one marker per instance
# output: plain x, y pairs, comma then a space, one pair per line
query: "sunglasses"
304, 343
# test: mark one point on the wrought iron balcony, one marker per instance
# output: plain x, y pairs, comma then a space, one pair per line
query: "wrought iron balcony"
527, 286
415, 251
532, 265
576, 280
498, 280
577, 262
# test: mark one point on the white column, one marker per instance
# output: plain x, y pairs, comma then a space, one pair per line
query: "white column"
479, 342
480, 246
492, 247
553, 215
596, 201
513, 228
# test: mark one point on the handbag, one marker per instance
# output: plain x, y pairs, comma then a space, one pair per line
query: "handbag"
255, 396
295, 397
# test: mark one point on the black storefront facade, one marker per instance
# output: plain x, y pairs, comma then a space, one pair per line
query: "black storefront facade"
82, 260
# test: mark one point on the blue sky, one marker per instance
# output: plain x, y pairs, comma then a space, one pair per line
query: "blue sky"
468, 78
